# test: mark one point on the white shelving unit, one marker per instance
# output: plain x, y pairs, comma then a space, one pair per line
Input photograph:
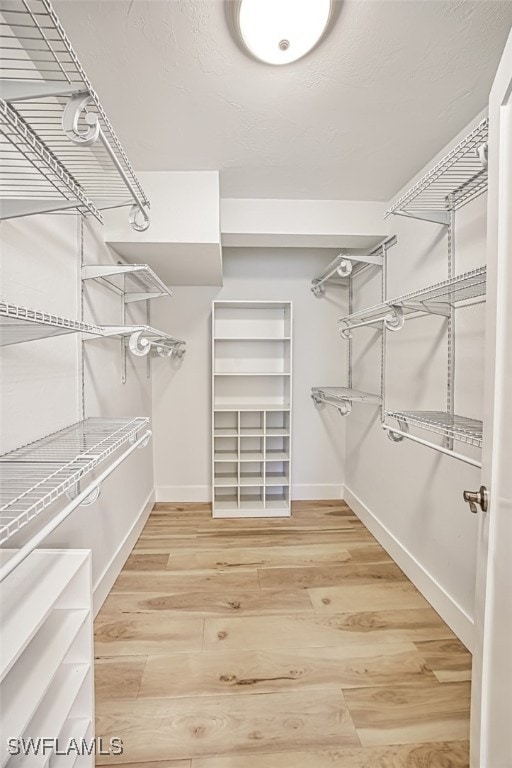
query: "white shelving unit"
36, 475
252, 397
58, 147
46, 654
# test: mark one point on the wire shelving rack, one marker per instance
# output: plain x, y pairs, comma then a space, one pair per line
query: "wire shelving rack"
449, 426
135, 282
36, 475
45, 85
21, 324
458, 178
437, 299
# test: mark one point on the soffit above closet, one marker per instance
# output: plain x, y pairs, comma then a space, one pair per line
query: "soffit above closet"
392, 83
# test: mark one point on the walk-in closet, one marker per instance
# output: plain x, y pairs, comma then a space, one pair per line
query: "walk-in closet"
255, 365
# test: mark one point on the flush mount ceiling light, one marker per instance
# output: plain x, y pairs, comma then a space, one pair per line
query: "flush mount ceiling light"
282, 31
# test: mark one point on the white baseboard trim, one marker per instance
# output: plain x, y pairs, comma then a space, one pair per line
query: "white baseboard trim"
106, 580
184, 493
449, 610
317, 492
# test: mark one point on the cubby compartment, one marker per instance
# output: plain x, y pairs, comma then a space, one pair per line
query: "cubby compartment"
225, 424
277, 498
251, 473
251, 449
226, 449
277, 473
252, 423
277, 448
277, 423
252, 320
225, 499
251, 498
225, 473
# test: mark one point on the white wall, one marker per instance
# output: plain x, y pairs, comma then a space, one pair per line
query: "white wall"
42, 380
182, 402
411, 496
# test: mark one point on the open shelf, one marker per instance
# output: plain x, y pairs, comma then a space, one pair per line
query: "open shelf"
36, 475
454, 181
252, 338
135, 282
437, 299
458, 428
47, 87
341, 395
238, 406
251, 373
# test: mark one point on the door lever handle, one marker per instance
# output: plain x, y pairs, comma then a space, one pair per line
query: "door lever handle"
480, 498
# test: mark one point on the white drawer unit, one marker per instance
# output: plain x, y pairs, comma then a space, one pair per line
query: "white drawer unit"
252, 401
46, 660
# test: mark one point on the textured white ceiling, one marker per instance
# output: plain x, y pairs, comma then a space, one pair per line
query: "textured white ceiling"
389, 87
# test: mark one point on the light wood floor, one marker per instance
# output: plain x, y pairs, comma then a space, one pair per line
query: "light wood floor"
293, 643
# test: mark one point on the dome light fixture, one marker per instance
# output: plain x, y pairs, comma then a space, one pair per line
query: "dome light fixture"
281, 31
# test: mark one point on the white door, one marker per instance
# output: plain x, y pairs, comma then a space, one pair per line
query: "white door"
491, 716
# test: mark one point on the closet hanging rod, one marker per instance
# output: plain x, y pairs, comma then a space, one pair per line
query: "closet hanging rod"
39, 537
438, 448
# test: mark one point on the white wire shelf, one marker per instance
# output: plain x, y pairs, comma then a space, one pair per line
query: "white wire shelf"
454, 181
136, 282
341, 395
32, 180
349, 263
36, 475
436, 299
448, 425
20, 324
47, 87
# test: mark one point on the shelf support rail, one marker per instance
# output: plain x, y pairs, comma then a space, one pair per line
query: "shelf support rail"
79, 500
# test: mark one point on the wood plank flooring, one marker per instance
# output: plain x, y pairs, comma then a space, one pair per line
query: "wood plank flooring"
284, 643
